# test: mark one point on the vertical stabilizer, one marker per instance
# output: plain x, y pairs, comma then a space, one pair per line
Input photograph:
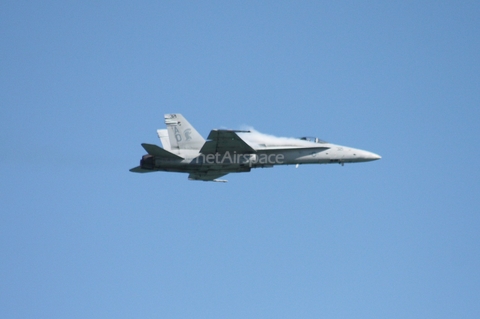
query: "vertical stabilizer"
181, 134
163, 136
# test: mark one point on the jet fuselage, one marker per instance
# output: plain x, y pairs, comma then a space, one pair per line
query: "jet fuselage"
226, 152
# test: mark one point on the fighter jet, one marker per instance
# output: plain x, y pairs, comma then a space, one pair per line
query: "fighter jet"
231, 151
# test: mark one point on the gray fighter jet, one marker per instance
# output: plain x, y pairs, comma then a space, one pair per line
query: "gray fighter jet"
228, 151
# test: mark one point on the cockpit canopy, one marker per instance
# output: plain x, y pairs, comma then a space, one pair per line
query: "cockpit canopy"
313, 139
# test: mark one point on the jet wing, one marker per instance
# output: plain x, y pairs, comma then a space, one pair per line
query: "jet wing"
222, 141
207, 176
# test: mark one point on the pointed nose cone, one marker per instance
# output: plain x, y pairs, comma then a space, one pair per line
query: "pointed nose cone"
373, 156
357, 155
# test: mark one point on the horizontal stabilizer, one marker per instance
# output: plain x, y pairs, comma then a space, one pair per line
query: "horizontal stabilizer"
139, 169
160, 152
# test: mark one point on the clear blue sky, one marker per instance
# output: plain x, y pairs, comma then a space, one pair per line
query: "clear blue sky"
84, 83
